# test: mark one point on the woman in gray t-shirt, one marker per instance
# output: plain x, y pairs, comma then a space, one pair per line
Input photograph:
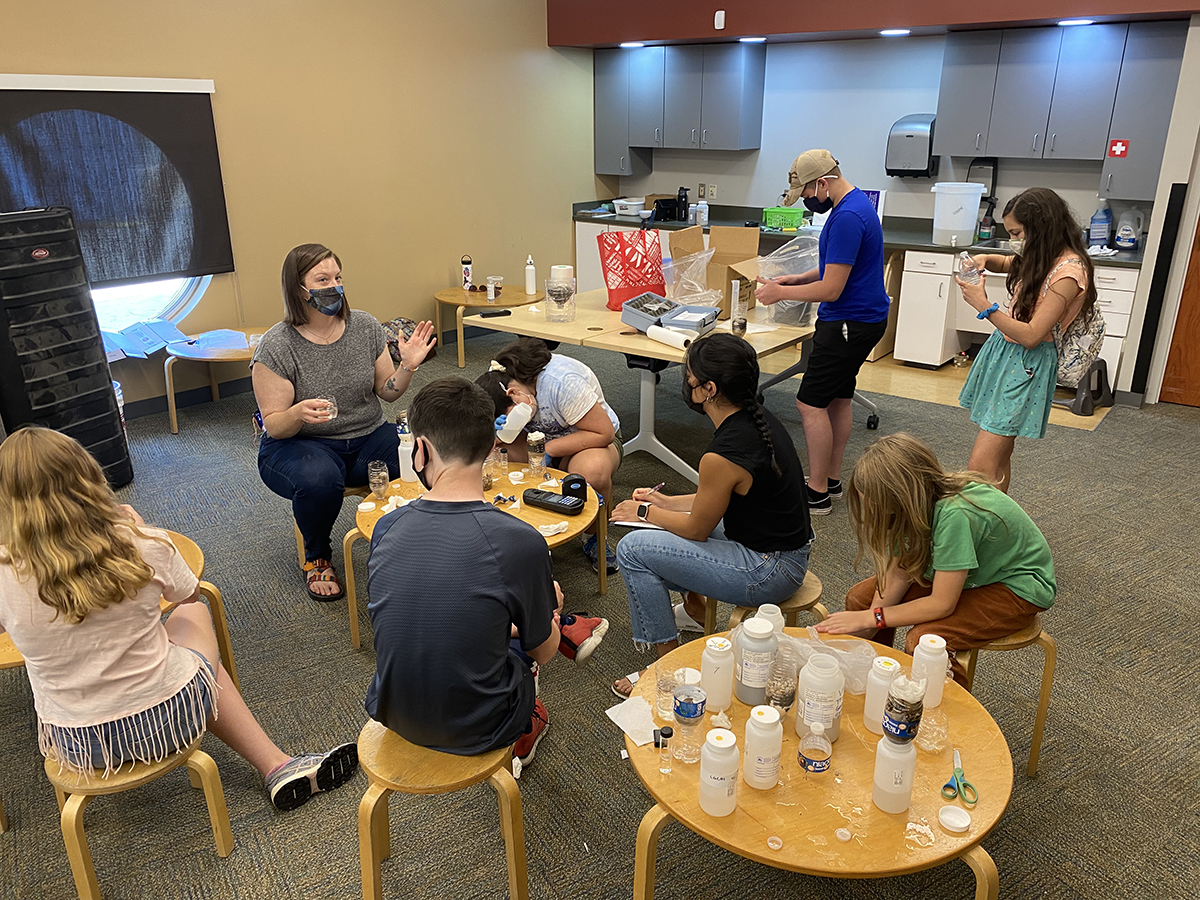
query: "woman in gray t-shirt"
312, 449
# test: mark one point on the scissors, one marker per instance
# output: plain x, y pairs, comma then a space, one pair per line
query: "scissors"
958, 786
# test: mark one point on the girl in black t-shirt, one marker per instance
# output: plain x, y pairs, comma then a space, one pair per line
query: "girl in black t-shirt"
744, 536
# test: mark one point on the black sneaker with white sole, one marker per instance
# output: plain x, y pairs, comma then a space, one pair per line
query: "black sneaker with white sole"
835, 488
819, 504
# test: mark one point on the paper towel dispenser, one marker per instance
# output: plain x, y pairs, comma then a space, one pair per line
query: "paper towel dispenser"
910, 147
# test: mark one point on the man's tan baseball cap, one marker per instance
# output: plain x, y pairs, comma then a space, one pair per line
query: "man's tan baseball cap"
809, 166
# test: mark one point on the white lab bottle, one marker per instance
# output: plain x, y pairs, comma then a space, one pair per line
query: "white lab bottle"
894, 766
764, 745
716, 673
883, 670
772, 614
756, 646
515, 420
819, 695
718, 773
702, 213
407, 472
930, 662
530, 276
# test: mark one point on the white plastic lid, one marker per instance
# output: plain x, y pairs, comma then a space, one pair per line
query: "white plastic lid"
765, 715
721, 739
758, 628
719, 644
885, 665
952, 818
817, 728
366, 506
933, 642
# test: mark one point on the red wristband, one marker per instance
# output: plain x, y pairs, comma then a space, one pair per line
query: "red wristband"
879, 620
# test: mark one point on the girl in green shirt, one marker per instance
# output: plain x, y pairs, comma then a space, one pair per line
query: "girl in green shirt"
953, 555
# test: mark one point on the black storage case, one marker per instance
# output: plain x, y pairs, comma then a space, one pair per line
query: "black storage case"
53, 370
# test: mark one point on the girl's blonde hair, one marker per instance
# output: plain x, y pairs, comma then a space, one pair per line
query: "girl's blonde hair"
61, 525
891, 496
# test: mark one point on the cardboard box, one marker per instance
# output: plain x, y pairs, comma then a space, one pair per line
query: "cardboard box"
891, 281
732, 246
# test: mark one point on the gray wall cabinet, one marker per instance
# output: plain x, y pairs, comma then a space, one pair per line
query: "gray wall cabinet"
965, 98
1024, 85
646, 77
1085, 87
614, 156
713, 96
682, 92
1142, 113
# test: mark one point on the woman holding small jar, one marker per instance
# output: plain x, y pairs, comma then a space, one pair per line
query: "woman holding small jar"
319, 376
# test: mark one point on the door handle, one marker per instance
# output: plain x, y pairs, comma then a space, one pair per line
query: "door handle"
978, 138
656, 140
704, 136
693, 135
1052, 137
941, 284
622, 164
1035, 137
926, 262
1108, 184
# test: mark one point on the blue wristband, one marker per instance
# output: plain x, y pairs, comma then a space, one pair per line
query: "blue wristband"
995, 307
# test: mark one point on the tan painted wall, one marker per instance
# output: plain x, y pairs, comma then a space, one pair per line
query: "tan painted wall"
400, 133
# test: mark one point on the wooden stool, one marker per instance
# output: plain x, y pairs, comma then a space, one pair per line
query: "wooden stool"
194, 557
1031, 634
808, 597
393, 764
74, 794
346, 492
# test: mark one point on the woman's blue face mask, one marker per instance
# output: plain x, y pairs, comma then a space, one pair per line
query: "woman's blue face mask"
327, 301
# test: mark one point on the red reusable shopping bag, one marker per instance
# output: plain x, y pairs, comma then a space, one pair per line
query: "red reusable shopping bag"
632, 264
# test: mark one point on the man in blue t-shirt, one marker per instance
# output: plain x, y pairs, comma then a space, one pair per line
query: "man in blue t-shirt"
463, 602
852, 317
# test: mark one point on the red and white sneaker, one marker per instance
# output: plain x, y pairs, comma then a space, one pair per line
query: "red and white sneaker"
580, 635
527, 744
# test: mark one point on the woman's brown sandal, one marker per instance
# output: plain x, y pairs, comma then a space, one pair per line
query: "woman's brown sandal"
321, 570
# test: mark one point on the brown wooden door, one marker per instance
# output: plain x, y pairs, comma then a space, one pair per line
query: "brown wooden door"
1181, 381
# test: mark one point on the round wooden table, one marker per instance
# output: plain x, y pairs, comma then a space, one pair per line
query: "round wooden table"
512, 295
364, 522
200, 354
806, 810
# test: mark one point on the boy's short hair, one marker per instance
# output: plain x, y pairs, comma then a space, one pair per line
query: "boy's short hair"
455, 416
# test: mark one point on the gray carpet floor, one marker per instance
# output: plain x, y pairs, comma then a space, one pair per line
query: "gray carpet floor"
1114, 812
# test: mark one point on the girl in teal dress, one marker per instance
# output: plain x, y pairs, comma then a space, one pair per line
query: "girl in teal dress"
1011, 384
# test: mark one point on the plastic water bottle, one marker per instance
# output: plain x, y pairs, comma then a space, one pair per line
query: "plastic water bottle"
905, 703
883, 670
718, 773
515, 420
819, 696
815, 750
530, 276
764, 746
783, 677
772, 614
407, 472
716, 673
930, 662
895, 762
756, 649
689, 711
1100, 226
967, 270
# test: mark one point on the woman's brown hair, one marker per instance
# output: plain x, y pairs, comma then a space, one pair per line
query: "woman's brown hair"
1050, 231
60, 524
298, 263
893, 489
523, 360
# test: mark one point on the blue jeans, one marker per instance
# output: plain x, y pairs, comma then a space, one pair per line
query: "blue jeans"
312, 472
654, 563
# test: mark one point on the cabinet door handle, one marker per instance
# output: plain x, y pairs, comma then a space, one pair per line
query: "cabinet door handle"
1035, 137
1108, 183
941, 285
656, 141
978, 138
693, 135
926, 262
622, 164
1105, 278
704, 136
1052, 137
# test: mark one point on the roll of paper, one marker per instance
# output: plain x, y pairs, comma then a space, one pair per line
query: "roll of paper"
668, 336
562, 273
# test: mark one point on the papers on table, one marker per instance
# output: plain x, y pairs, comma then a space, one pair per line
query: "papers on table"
141, 339
751, 328
222, 339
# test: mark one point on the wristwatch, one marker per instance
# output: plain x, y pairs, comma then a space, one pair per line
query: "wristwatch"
642, 510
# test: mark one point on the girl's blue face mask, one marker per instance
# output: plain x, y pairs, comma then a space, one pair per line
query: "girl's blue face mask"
327, 301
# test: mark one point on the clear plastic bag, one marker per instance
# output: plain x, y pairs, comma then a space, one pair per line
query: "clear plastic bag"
855, 658
796, 257
687, 276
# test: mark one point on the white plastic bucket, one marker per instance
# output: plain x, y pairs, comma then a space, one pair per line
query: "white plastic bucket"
956, 212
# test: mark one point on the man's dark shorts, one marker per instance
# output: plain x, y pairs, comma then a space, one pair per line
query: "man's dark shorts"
839, 350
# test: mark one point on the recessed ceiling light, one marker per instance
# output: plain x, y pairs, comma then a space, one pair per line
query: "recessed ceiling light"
895, 32
1077, 22
753, 40
632, 45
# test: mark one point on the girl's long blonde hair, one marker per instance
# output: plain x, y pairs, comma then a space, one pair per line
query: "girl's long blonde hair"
891, 496
61, 525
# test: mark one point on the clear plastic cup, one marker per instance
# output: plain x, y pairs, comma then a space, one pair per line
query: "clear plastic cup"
332, 410
664, 703
494, 282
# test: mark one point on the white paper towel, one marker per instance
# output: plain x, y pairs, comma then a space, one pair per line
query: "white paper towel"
669, 337
635, 718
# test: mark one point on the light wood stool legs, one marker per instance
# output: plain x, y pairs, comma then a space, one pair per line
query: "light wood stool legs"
77, 848
202, 766
602, 547
1039, 725
458, 319
512, 824
351, 599
170, 378
221, 626
3, 819
987, 879
299, 544
646, 854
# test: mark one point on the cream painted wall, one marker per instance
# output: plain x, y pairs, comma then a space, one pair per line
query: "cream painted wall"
401, 134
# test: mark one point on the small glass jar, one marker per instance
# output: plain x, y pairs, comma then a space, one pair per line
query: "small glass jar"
494, 284
536, 441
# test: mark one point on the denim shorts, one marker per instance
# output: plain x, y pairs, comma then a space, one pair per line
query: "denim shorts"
148, 736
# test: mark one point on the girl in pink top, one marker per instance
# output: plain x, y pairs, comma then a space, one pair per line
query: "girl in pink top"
80, 582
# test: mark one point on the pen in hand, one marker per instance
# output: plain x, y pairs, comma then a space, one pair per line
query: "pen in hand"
657, 487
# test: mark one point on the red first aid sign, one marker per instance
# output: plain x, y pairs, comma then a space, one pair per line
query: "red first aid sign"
1118, 148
